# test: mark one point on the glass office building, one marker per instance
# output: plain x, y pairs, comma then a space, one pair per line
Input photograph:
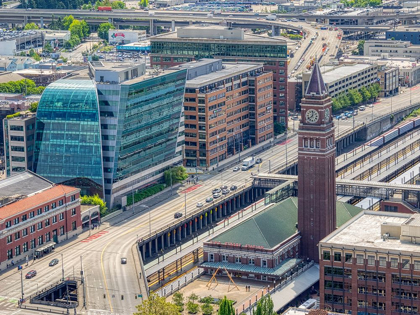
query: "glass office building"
68, 145
142, 124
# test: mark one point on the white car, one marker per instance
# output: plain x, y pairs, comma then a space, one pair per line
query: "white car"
236, 168
199, 204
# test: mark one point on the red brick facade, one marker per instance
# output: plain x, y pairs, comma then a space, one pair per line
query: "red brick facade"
28, 224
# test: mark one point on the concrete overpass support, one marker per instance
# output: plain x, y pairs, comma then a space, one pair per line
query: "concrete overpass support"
275, 30
173, 26
41, 21
111, 20
25, 20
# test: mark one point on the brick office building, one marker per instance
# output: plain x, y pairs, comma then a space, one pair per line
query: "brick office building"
371, 265
227, 108
231, 45
34, 216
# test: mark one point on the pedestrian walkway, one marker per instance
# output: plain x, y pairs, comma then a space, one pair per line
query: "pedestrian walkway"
8, 303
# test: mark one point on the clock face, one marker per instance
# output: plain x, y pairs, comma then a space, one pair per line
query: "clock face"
327, 115
312, 116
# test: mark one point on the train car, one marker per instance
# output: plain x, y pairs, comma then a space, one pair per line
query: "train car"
377, 142
416, 121
104, 9
392, 134
406, 127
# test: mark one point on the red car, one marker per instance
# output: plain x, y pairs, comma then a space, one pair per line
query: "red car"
30, 274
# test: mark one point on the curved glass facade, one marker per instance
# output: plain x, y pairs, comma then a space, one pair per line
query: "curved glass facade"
68, 136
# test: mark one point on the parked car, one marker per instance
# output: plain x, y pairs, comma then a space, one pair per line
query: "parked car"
209, 199
30, 274
123, 261
233, 187
223, 187
177, 215
225, 191
53, 262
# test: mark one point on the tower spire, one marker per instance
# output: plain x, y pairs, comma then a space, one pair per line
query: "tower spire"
316, 85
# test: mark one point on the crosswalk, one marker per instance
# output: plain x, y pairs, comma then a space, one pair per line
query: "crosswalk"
8, 304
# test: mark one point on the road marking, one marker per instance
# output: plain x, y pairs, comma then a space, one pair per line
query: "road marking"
190, 189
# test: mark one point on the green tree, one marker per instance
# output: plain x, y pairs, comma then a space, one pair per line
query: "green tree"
103, 30
178, 300
355, 97
361, 47
365, 94
265, 306
374, 90
226, 307
117, 5
76, 29
156, 305
47, 47
31, 26
33, 107
206, 309
192, 307
67, 21
279, 128
94, 200
335, 105
85, 28
144, 3
175, 175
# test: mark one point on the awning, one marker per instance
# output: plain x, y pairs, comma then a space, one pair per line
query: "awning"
46, 246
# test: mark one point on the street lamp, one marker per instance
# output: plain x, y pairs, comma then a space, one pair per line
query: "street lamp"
21, 286
62, 267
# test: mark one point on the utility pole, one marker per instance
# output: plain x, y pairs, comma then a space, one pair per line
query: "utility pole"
62, 267
21, 286
83, 280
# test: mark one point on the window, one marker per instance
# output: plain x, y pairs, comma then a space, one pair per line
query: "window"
16, 221
264, 263
405, 263
61, 216
73, 211
394, 262
337, 256
61, 230
73, 226
211, 257
237, 260
46, 208
326, 255
9, 254
17, 250
53, 205
33, 245
24, 232
31, 214
17, 236
32, 228
382, 261
349, 258
39, 225
8, 224
47, 222
25, 247
39, 211
73, 198
360, 259
54, 219
371, 260
225, 258
48, 236
417, 265
60, 202
251, 261
9, 239
24, 217
40, 239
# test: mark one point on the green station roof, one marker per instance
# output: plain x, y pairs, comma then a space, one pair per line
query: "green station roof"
276, 224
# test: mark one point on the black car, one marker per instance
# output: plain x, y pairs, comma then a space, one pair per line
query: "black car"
224, 187
30, 274
53, 262
216, 191
233, 187
123, 261
225, 191
177, 215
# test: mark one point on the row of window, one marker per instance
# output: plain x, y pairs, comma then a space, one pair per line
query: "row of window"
39, 211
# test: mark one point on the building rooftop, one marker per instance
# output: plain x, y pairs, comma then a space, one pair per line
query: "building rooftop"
22, 184
338, 73
303, 311
200, 30
7, 76
276, 224
229, 70
366, 230
35, 200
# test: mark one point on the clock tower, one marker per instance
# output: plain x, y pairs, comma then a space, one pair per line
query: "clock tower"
316, 165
